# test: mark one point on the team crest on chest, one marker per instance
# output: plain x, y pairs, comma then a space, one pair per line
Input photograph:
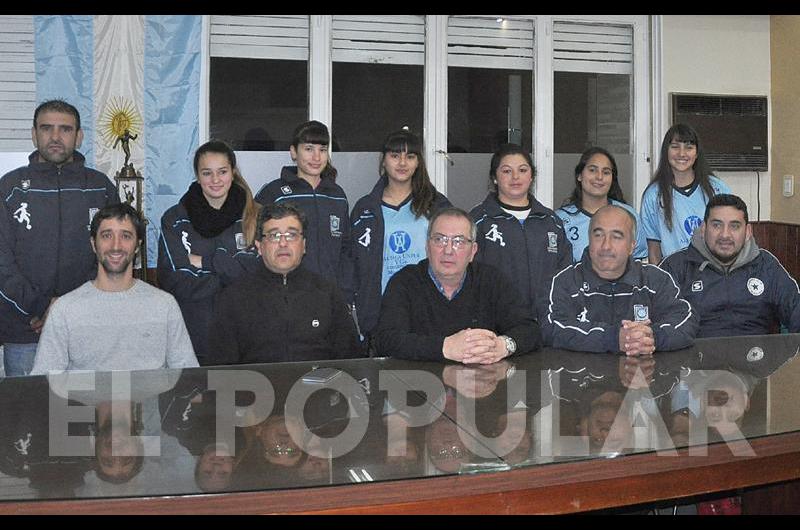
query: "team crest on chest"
335, 226
241, 242
26, 184
286, 190
640, 312
697, 286
755, 286
552, 242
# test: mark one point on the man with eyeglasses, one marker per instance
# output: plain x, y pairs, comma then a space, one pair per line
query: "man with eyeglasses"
448, 307
282, 311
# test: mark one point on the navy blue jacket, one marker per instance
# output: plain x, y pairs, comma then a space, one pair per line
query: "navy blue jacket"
529, 254
745, 301
225, 258
585, 311
45, 214
368, 238
328, 242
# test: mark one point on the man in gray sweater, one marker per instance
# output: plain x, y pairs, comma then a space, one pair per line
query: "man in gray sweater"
114, 322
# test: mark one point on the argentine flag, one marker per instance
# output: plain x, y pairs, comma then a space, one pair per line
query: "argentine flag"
140, 72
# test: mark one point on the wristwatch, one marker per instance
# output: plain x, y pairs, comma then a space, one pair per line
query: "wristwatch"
511, 344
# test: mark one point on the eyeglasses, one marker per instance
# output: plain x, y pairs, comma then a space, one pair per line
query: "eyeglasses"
449, 453
275, 237
280, 450
441, 241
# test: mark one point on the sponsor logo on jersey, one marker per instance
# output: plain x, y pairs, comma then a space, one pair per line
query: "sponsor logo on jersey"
495, 235
365, 238
691, 223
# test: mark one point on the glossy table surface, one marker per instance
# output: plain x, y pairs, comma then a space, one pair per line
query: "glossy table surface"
257, 428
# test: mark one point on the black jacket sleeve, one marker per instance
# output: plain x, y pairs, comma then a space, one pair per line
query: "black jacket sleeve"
675, 323
343, 337
513, 317
176, 274
393, 335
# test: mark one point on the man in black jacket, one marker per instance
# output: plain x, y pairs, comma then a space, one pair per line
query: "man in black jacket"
447, 307
607, 302
282, 312
736, 287
45, 212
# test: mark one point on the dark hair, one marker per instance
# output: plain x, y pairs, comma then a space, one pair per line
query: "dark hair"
118, 211
251, 207
502, 151
726, 199
452, 211
614, 192
279, 210
57, 105
664, 178
423, 192
315, 132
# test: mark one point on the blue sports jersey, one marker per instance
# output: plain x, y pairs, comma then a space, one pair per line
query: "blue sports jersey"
404, 240
576, 225
688, 212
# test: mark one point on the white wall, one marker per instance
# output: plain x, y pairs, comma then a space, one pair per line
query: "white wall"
720, 54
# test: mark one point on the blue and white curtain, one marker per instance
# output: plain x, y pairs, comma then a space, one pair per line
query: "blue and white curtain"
149, 63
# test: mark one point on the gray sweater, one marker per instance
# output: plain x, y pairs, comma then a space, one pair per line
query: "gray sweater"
137, 329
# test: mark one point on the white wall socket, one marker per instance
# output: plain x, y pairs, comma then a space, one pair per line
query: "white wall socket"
788, 185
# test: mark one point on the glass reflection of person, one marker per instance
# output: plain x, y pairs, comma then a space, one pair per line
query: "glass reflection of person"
606, 424
118, 447
514, 436
446, 449
215, 467
276, 443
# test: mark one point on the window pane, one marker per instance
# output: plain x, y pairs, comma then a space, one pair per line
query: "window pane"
371, 100
486, 108
255, 104
591, 109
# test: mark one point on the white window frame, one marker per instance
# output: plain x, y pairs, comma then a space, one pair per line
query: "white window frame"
435, 92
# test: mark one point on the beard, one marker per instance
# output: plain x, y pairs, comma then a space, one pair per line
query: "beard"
723, 258
116, 270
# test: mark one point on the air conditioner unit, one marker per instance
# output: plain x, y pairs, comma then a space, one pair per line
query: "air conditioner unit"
732, 129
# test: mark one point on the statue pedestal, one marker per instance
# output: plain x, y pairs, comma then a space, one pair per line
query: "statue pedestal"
130, 187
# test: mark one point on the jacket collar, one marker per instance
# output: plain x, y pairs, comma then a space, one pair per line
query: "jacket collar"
631, 276
492, 206
289, 176
273, 277
78, 161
